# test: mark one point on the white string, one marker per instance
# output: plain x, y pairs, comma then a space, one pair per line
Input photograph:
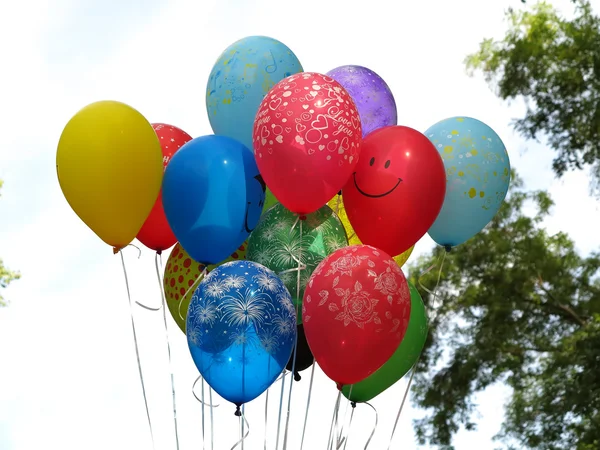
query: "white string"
374, 426
294, 354
164, 308
190, 289
137, 350
243, 436
312, 375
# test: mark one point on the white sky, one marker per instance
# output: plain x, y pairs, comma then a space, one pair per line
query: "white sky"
68, 374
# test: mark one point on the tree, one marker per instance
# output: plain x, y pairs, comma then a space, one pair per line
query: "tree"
6, 276
522, 307
554, 65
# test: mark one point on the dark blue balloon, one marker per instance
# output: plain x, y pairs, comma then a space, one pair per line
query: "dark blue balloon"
241, 329
212, 194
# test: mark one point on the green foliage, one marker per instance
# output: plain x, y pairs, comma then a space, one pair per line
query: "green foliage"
554, 65
522, 307
6, 276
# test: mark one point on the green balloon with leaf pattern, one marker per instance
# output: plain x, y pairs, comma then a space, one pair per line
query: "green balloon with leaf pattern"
280, 241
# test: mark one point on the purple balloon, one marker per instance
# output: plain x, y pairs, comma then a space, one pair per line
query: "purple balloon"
373, 97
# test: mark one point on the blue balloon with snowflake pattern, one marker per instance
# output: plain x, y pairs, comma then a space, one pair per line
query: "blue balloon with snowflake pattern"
241, 329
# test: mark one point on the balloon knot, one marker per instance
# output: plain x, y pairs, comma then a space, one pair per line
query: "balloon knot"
238, 412
302, 217
339, 386
297, 376
159, 252
340, 193
353, 404
116, 250
447, 248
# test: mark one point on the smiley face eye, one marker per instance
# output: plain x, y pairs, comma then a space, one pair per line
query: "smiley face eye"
387, 163
372, 161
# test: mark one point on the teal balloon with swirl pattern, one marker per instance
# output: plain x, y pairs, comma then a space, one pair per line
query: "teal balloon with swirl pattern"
477, 174
241, 77
283, 243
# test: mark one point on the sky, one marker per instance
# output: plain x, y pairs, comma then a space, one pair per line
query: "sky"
68, 373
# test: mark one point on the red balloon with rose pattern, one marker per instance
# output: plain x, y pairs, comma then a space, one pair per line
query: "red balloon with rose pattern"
355, 312
307, 140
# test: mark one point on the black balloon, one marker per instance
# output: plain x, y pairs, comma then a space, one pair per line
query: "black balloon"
304, 357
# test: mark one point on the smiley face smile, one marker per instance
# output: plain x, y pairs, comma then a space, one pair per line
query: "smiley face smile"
375, 195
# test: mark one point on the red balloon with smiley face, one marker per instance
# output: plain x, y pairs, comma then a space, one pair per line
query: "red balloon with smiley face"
307, 139
397, 189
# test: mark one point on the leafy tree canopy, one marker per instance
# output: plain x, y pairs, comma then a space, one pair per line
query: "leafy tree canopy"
522, 307
553, 63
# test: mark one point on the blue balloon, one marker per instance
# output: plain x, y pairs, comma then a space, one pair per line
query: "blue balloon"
241, 329
478, 175
240, 79
213, 195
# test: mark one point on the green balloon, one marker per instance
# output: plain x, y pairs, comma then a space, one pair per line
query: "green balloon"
270, 200
277, 244
401, 361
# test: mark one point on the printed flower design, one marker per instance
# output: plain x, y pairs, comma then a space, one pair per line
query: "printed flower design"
357, 307
386, 283
345, 264
404, 293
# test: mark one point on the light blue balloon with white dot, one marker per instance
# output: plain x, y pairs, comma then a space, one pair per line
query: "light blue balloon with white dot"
240, 79
477, 174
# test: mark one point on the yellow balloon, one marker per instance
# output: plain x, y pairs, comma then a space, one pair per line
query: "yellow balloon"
337, 204
110, 169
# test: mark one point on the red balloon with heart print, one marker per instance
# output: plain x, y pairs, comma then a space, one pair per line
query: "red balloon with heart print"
307, 140
397, 190
156, 233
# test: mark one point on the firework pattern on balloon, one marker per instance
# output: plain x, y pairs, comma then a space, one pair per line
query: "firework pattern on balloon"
278, 244
241, 329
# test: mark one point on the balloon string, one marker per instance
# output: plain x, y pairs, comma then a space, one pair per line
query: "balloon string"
192, 287
414, 369
163, 302
349, 425
441, 260
433, 310
203, 415
137, 350
335, 409
299, 268
280, 409
374, 426
149, 308
312, 375
212, 419
341, 440
243, 421
266, 416
210, 405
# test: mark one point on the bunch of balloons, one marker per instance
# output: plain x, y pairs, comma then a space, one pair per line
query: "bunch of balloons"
292, 221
